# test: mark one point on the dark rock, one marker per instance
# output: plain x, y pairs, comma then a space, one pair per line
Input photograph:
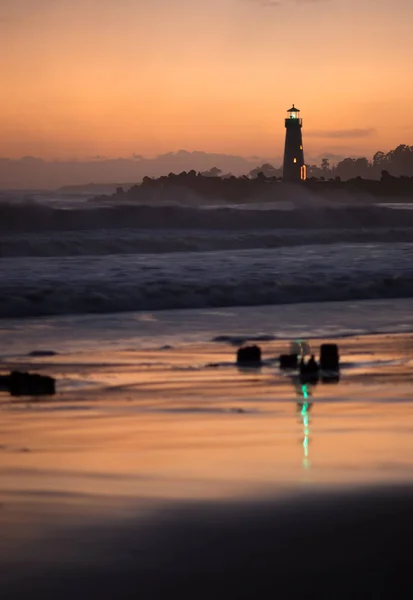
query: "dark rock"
312, 365
309, 371
288, 361
329, 357
309, 367
28, 384
309, 378
4, 382
249, 356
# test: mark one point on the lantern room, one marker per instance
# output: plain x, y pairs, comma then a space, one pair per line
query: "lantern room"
293, 117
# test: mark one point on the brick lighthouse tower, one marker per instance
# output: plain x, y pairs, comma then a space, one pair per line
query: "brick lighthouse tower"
294, 168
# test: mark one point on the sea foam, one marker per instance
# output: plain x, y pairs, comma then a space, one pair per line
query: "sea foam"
117, 283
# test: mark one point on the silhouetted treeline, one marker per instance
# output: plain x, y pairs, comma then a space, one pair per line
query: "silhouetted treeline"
397, 162
388, 174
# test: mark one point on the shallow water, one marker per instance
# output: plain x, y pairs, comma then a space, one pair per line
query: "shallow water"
161, 468
187, 418
145, 330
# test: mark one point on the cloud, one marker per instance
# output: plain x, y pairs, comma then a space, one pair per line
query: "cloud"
35, 173
341, 133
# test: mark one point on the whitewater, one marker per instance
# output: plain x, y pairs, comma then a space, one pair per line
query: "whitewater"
64, 255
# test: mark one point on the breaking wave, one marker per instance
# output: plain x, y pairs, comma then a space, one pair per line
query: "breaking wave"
24, 217
71, 256
183, 280
63, 228
131, 241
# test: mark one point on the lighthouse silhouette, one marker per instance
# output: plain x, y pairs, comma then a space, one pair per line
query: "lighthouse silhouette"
294, 168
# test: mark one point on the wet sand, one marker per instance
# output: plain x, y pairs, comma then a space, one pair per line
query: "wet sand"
173, 473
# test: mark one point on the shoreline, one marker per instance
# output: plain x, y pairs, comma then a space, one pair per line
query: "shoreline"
232, 325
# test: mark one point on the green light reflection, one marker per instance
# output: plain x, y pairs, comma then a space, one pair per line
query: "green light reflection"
306, 428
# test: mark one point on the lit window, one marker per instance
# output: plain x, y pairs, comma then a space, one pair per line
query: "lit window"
295, 160
301, 147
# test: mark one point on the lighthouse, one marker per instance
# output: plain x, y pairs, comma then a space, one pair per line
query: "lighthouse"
294, 168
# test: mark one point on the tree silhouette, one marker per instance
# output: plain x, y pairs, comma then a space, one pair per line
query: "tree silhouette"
214, 172
267, 170
325, 164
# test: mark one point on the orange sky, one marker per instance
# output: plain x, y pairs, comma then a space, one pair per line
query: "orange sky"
114, 77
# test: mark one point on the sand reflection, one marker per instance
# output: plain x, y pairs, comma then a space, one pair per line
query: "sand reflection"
183, 426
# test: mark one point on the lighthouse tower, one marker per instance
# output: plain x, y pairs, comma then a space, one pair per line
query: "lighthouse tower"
294, 168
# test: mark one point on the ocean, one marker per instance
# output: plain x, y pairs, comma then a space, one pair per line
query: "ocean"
162, 468
72, 256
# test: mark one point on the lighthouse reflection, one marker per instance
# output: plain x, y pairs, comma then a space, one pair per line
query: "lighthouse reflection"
305, 387
305, 416
304, 390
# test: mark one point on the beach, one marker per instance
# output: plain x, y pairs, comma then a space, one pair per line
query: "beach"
160, 465
160, 468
